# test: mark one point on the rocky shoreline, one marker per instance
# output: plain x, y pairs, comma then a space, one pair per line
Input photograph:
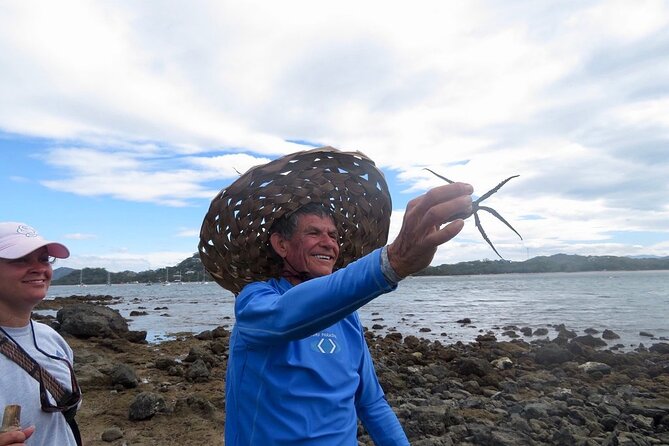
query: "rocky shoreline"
567, 390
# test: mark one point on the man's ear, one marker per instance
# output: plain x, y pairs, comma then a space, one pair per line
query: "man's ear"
278, 244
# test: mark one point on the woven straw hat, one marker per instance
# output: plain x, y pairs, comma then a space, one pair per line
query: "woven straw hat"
234, 239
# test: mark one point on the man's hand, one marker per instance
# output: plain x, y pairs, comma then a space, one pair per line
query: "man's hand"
16, 438
421, 232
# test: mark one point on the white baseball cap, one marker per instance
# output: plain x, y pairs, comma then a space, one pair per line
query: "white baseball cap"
19, 239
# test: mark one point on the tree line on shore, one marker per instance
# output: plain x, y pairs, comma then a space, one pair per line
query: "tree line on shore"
558, 263
188, 270
192, 270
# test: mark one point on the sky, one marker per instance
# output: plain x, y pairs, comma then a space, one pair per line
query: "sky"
120, 121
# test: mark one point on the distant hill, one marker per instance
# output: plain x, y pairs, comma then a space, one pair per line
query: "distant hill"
189, 270
61, 272
551, 264
192, 270
645, 257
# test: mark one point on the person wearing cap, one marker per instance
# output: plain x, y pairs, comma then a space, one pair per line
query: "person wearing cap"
301, 242
25, 275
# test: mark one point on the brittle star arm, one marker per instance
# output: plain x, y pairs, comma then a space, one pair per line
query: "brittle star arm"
477, 222
476, 207
499, 217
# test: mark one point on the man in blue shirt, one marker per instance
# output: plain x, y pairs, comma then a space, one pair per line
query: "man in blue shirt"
301, 241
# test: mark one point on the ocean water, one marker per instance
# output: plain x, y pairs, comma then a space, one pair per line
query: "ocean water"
626, 302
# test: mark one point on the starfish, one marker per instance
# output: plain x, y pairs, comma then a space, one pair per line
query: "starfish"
477, 207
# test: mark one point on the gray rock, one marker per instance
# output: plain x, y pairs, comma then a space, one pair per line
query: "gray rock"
552, 354
145, 406
137, 337
220, 332
203, 354
220, 347
484, 435
661, 347
123, 375
198, 372
430, 419
625, 439
87, 320
592, 367
176, 370
195, 404
563, 436
540, 332
535, 410
610, 335
564, 333
165, 363
526, 331
590, 341
502, 363
89, 375
205, 335
111, 434
473, 366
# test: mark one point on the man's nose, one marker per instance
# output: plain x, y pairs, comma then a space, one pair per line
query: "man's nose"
328, 241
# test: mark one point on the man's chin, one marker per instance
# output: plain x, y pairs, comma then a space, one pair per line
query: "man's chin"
320, 272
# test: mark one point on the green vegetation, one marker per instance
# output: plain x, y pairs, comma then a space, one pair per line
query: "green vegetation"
562, 263
191, 269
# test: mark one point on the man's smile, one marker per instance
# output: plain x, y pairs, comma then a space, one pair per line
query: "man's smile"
323, 257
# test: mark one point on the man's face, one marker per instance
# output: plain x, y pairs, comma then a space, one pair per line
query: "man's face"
313, 248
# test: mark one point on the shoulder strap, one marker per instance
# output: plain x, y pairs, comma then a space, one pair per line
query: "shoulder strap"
16, 353
69, 417
19, 356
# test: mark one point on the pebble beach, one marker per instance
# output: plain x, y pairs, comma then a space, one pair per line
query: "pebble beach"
566, 388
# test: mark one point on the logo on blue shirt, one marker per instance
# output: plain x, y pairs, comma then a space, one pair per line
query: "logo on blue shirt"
325, 343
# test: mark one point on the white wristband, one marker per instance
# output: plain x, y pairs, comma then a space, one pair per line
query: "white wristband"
386, 267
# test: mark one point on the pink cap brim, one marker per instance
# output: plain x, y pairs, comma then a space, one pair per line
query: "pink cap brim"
58, 250
24, 246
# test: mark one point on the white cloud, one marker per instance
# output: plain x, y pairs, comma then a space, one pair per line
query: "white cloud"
621, 19
160, 102
652, 112
226, 166
123, 175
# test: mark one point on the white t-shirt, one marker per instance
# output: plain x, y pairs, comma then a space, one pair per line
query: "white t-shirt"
18, 387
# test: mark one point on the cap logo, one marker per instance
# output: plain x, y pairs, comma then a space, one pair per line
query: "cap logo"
26, 230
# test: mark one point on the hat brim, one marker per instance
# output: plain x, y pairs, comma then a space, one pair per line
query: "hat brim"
58, 250
234, 238
28, 245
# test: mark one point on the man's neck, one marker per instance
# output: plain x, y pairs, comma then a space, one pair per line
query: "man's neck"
293, 277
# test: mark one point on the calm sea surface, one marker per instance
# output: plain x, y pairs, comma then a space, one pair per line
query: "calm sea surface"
625, 302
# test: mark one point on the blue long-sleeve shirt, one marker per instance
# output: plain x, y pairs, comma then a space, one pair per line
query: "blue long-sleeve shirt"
299, 371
